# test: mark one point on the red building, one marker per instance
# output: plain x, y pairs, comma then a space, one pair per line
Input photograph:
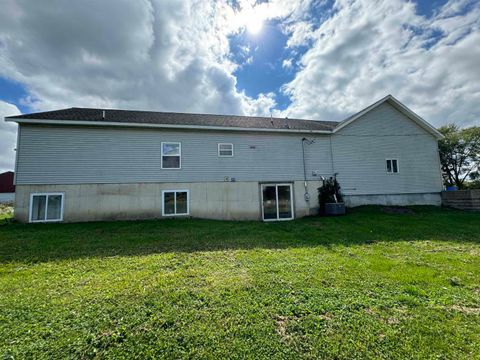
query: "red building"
6, 182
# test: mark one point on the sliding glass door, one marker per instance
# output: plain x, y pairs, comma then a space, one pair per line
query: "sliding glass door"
277, 202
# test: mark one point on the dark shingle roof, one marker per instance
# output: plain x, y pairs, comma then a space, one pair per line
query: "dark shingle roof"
169, 118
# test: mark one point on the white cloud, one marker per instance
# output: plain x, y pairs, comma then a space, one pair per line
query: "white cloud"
300, 33
170, 55
174, 55
8, 136
287, 63
368, 49
262, 106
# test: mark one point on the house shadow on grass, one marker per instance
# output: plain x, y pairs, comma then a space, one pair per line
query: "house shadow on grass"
364, 225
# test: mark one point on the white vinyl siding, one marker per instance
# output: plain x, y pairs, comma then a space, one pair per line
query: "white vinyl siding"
225, 150
97, 155
361, 148
46, 207
175, 202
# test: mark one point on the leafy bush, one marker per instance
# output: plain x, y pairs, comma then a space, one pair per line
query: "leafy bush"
460, 155
472, 184
329, 192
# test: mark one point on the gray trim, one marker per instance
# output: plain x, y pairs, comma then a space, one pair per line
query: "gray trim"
331, 155
404, 193
17, 151
164, 126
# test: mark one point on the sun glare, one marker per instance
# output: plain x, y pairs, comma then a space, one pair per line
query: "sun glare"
254, 26
252, 18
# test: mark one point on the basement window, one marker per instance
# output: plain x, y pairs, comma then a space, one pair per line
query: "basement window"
392, 166
171, 155
175, 202
225, 150
46, 207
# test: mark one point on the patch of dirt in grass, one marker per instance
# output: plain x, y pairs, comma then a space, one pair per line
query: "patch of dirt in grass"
399, 314
281, 323
397, 210
455, 281
465, 309
390, 320
325, 317
371, 311
286, 327
474, 252
393, 321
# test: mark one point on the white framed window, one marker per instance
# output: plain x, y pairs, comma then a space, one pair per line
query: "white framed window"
171, 155
175, 202
225, 150
277, 202
392, 166
46, 207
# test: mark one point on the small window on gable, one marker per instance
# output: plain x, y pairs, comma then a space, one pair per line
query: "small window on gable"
392, 166
175, 202
225, 150
171, 155
46, 207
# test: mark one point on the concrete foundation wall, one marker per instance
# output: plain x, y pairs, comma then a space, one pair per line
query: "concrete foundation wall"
210, 200
394, 199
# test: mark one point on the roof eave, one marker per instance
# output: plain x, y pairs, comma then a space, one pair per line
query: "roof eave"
160, 126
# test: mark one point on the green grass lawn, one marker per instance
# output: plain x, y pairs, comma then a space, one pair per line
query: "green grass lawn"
367, 285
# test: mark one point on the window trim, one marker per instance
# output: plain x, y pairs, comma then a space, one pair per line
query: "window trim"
386, 166
218, 149
292, 201
175, 202
47, 194
179, 154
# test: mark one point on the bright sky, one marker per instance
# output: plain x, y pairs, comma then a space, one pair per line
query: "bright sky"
310, 59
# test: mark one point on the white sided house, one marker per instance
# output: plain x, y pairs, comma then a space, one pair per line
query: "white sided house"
83, 164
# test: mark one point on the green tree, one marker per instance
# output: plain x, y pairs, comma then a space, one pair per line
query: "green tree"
459, 154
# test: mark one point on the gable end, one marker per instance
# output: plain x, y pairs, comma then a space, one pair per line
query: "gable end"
397, 105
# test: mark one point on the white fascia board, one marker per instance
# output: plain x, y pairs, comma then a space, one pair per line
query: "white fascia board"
161, 126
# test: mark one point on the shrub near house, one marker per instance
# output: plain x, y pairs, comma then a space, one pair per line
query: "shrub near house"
330, 198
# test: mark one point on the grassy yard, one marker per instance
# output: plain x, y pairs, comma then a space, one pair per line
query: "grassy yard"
368, 285
6, 211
